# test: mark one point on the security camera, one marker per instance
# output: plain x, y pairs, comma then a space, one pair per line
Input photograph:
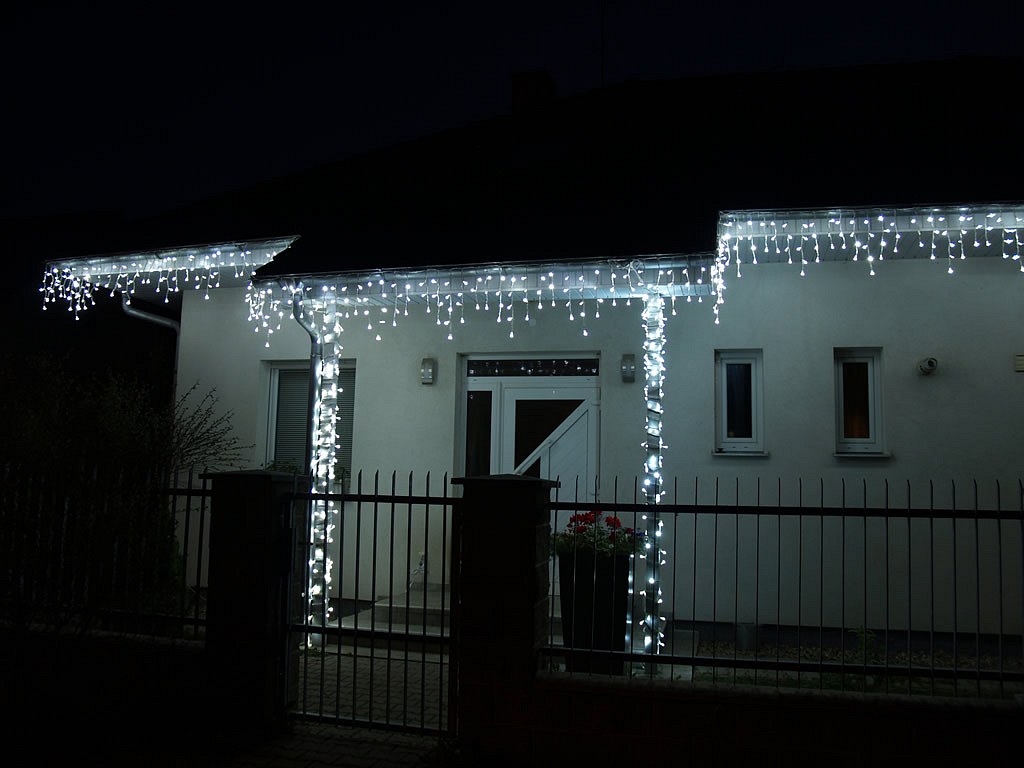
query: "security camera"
928, 366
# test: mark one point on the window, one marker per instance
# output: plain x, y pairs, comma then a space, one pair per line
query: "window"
289, 403
739, 422
858, 401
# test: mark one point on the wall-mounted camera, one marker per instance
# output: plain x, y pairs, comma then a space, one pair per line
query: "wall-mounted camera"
928, 366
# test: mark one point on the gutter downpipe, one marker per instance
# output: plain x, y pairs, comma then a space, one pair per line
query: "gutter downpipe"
316, 354
316, 606
166, 322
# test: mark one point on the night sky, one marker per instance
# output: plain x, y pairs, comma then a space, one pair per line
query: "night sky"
124, 108
114, 113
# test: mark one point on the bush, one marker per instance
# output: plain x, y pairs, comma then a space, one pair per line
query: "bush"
84, 461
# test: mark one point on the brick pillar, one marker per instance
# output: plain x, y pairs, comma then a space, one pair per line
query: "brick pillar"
250, 536
503, 610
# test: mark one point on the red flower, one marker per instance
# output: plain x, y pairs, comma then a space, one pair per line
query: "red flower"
583, 518
602, 533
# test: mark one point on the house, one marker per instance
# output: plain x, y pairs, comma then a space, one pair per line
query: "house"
497, 300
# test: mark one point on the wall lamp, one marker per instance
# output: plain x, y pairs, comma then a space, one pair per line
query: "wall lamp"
628, 369
428, 370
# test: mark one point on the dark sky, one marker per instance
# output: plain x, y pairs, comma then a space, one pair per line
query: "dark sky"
127, 108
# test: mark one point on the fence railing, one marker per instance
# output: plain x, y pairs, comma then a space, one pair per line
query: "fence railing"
189, 495
891, 593
371, 616
118, 549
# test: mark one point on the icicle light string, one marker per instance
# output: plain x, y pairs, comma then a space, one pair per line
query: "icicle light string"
75, 282
328, 303
870, 236
652, 553
383, 303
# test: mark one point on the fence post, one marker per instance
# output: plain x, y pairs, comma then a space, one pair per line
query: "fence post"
503, 594
250, 535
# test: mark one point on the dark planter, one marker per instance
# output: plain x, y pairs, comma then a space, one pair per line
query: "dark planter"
594, 598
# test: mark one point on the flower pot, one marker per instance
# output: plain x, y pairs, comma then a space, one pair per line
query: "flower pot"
594, 597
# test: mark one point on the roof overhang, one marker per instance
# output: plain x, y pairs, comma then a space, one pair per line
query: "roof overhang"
161, 272
669, 274
871, 234
379, 298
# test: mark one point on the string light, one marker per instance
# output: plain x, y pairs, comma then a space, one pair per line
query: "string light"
491, 288
875, 235
654, 371
76, 281
324, 448
327, 299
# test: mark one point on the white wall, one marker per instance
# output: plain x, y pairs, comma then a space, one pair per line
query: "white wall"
959, 425
962, 422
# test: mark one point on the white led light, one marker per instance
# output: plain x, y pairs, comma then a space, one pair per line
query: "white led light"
654, 370
873, 234
76, 281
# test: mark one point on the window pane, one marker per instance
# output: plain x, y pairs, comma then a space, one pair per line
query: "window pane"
856, 410
290, 425
478, 433
739, 391
533, 470
534, 367
536, 420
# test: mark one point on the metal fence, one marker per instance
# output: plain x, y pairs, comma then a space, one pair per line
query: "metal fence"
92, 547
189, 497
370, 638
841, 586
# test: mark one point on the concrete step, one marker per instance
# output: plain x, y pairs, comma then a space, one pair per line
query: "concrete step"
421, 618
422, 606
414, 622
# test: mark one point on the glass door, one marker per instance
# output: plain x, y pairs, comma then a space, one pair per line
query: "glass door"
543, 422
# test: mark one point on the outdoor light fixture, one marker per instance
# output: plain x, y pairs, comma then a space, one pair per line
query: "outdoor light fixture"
628, 369
428, 370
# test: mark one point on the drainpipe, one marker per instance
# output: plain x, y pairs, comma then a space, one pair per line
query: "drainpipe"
317, 603
316, 354
166, 322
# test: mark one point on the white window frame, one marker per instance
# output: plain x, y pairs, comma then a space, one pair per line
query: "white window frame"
272, 403
875, 444
497, 384
755, 444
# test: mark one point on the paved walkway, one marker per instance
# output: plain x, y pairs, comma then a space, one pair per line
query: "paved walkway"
310, 745
396, 689
303, 745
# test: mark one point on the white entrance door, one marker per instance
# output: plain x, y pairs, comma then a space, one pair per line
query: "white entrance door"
551, 432
543, 426
537, 425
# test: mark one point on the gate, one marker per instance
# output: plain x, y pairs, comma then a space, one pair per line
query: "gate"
373, 585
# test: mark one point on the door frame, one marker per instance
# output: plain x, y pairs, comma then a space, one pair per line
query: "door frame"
497, 385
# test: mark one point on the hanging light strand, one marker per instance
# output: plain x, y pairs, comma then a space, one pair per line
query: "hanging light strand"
75, 282
652, 553
874, 234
